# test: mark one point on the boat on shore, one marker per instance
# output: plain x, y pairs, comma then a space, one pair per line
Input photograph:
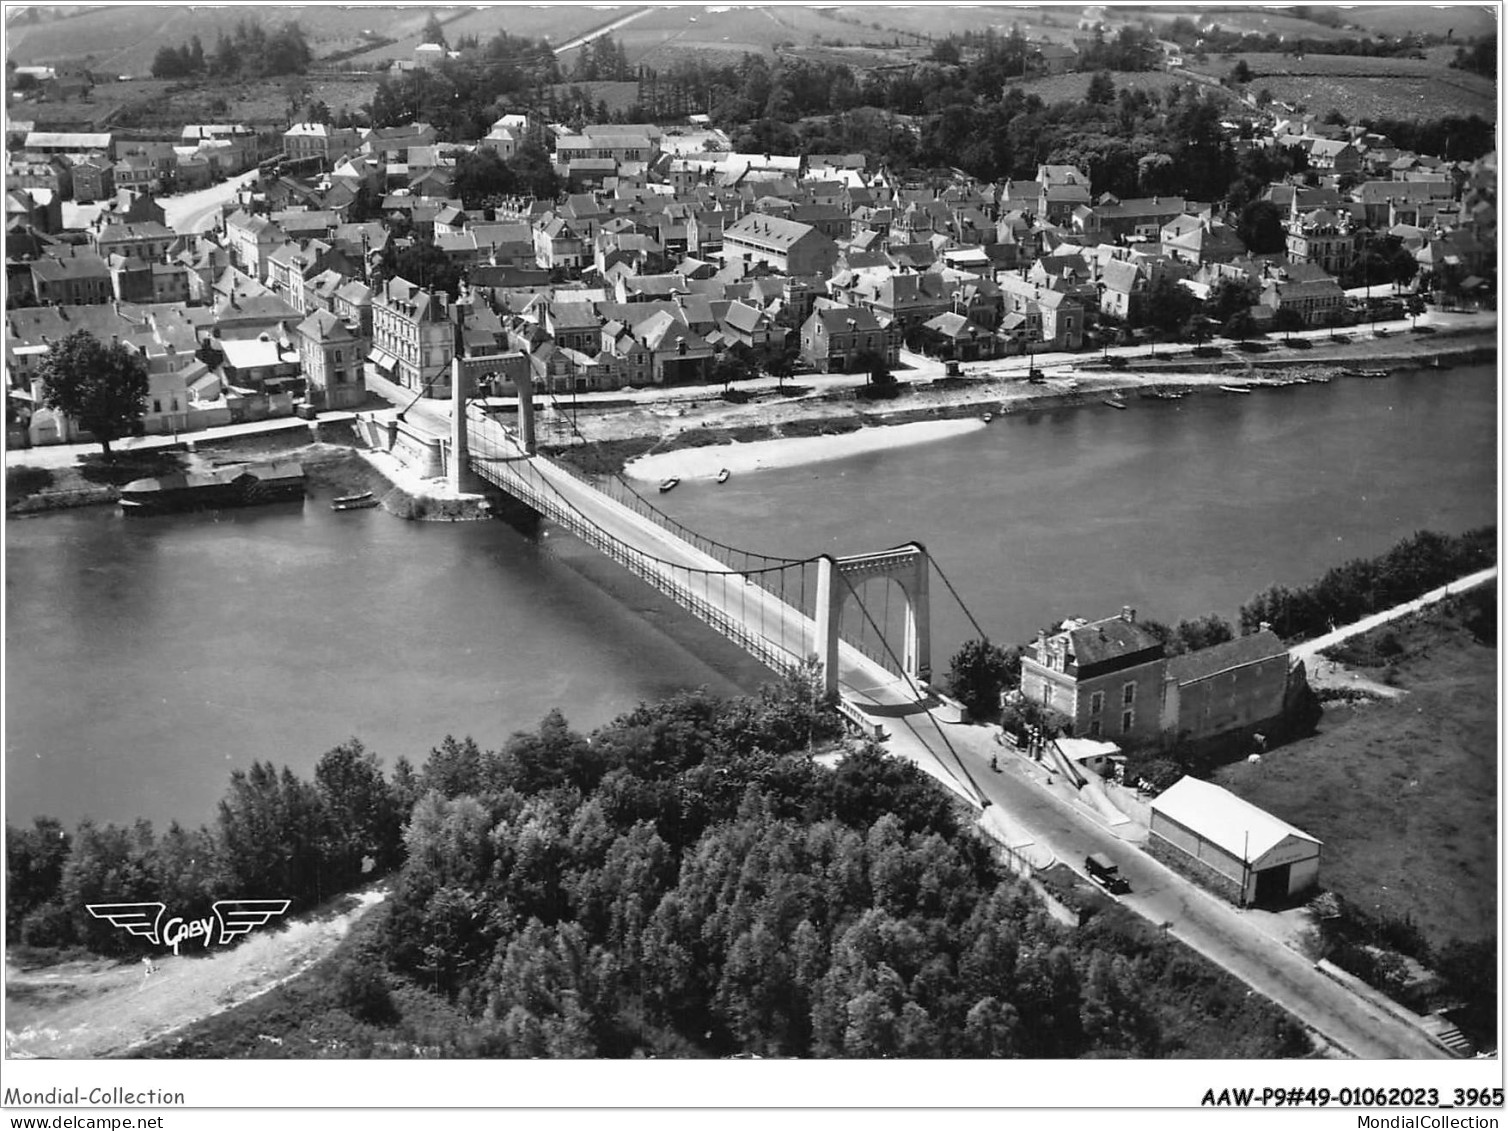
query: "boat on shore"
242, 486
668, 484
1370, 374
987, 417
354, 502
1115, 402
722, 476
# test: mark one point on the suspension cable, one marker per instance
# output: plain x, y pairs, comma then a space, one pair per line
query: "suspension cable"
916, 690
664, 518
982, 634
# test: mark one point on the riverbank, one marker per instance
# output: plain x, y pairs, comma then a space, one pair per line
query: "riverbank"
740, 458
331, 467
765, 427
771, 428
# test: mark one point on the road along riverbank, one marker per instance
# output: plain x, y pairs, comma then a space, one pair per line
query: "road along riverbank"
698, 439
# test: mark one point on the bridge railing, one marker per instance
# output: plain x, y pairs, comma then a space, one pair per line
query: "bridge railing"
765, 567
508, 476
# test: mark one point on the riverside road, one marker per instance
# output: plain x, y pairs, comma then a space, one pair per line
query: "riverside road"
1215, 929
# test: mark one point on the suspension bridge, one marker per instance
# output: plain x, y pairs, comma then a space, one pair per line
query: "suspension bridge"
783, 611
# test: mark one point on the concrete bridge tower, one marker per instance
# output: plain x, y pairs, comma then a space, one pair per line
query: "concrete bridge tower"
910, 567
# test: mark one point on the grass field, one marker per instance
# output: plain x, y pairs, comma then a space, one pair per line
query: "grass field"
1367, 87
1400, 19
1402, 793
124, 39
1401, 97
1074, 88
1261, 21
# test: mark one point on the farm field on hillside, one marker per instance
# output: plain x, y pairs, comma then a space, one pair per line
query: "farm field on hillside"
557, 24
1399, 97
724, 34
1073, 88
1400, 19
1402, 793
125, 39
1261, 22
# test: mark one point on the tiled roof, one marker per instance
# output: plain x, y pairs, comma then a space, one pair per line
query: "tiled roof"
1109, 639
1243, 650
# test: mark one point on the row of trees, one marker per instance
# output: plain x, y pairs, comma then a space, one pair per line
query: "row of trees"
980, 671
276, 836
1363, 586
250, 51
688, 882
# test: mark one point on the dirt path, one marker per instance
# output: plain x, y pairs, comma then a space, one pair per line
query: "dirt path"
101, 1008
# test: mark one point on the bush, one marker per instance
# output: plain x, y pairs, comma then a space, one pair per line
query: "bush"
1252, 347
1206, 351
24, 480
1117, 362
1301, 344
360, 988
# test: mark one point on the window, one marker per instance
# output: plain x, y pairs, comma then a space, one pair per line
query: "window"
1127, 719
1128, 694
1096, 703
1094, 728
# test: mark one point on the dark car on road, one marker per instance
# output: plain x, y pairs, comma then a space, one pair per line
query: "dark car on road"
1105, 872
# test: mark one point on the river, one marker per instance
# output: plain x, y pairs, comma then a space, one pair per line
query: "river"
147, 658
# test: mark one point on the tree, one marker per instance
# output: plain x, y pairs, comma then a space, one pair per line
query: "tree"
979, 672
482, 178
1240, 74
1287, 320
434, 31
1101, 89
1261, 227
34, 861
103, 388
731, 366
782, 364
945, 51
1240, 325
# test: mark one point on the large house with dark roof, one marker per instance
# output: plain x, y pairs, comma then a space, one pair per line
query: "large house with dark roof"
1104, 676
1112, 679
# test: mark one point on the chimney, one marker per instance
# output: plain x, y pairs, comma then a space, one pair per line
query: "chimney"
1264, 626
1128, 614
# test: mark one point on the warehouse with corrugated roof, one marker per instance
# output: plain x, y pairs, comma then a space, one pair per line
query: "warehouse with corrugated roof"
1230, 846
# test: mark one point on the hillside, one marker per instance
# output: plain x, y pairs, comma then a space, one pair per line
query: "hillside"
1381, 780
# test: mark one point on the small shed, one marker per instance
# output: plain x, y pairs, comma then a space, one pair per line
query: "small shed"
1229, 845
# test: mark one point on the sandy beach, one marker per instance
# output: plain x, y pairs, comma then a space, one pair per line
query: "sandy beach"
760, 455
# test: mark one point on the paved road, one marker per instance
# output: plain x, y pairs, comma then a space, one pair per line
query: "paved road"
572, 44
960, 755
1216, 929
1309, 648
196, 211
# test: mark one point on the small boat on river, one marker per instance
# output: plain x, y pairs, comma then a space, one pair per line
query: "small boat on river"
1371, 374
722, 476
987, 417
1236, 389
668, 484
354, 502
1115, 402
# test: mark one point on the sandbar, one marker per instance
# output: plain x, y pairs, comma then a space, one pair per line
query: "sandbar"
795, 451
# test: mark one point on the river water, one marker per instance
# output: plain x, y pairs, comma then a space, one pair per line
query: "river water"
147, 658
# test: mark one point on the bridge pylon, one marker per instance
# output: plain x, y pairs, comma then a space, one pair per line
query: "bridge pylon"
910, 568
